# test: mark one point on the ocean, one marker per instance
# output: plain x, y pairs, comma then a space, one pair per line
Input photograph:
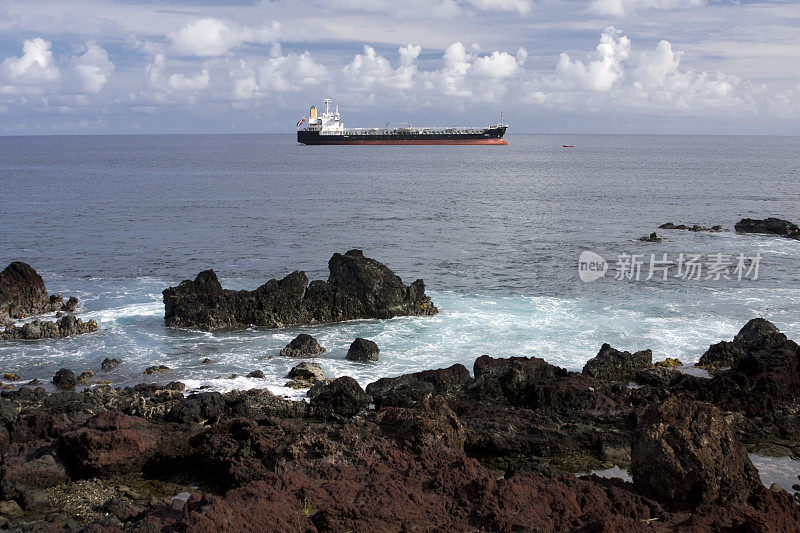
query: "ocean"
495, 232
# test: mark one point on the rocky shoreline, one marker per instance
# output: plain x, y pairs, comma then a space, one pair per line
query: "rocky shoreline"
441, 449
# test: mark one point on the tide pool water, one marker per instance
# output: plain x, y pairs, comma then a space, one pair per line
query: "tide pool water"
495, 232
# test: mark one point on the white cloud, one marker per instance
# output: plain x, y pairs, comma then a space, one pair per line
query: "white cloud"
409, 53
35, 66
496, 65
291, 72
371, 70
601, 73
210, 37
93, 68
181, 82
523, 7
619, 8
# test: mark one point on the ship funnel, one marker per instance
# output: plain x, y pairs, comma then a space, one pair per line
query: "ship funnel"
312, 114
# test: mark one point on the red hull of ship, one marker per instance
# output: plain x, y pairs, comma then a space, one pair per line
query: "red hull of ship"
414, 141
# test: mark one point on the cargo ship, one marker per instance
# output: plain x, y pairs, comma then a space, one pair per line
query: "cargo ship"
327, 128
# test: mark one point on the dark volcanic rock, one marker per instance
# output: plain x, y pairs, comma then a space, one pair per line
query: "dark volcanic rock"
343, 397
303, 345
363, 350
614, 365
652, 238
657, 377
693, 227
110, 364
759, 339
771, 226
156, 369
406, 390
684, 454
357, 287
431, 422
65, 379
258, 374
38, 329
305, 375
22, 292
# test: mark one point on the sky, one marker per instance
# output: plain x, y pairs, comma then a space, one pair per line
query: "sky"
551, 66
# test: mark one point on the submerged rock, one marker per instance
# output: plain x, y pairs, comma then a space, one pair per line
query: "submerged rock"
357, 287
684, 454
770, 226
363, 350
304, 345
615, 365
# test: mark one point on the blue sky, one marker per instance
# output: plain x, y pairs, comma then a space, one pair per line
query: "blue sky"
596, 66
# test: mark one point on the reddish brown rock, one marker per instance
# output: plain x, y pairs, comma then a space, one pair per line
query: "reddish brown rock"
110, 443
685, 454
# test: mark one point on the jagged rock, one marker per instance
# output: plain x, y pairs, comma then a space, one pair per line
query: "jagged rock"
652, 238
11, 376
150, 370
693, 227
685, 454
770, 226
615, 365
406, 390
657, 376
110, 443
303, 345
198, 408
759, 338
206, 361
38, 329
22, 292
357, 287
83, 378
343, 397
363, 350
306, 372
110, 364
258, 374
430, 422
304, 375
65, 379
317, 387
71, 305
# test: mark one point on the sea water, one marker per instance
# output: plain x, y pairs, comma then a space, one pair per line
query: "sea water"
495, 232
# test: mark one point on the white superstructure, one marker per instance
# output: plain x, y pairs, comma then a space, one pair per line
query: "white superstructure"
328, 122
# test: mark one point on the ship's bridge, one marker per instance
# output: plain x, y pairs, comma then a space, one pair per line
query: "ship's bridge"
328, 122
